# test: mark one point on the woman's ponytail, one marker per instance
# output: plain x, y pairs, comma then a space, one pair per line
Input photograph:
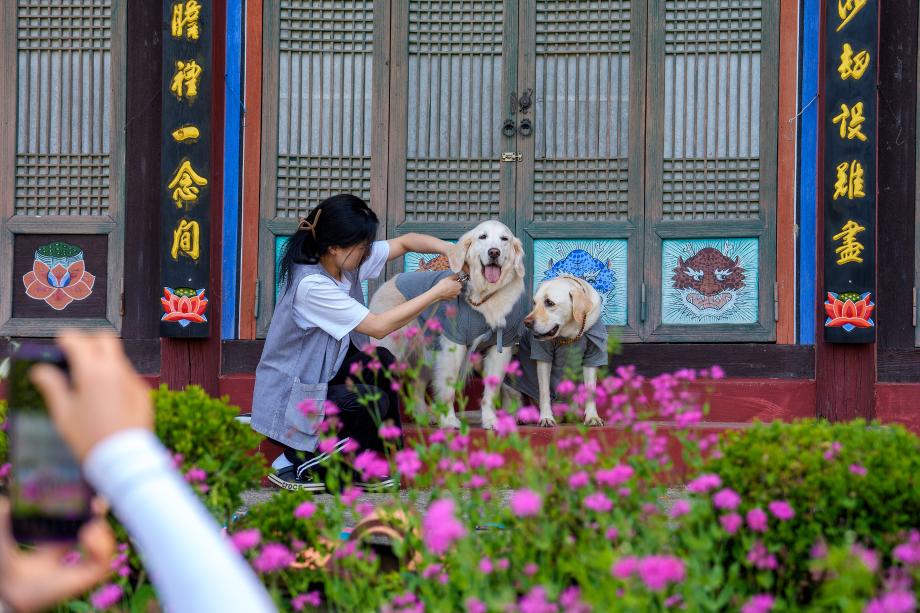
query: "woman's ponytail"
343, 220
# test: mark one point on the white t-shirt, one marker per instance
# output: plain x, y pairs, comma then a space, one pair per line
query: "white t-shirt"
322, 302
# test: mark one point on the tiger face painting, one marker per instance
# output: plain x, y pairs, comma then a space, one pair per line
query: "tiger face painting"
708, 281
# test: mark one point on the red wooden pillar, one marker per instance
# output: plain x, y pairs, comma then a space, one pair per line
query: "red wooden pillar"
197, 361
845, 375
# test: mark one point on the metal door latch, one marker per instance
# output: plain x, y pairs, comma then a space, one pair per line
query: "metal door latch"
511, 156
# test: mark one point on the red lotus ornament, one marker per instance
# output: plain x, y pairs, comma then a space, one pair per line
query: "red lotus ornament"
184, 305
58, 276
849, 310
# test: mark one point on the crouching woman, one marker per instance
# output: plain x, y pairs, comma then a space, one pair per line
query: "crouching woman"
318, 330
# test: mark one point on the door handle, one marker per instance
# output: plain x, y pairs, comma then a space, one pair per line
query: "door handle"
508, 128
526, 127
525, 101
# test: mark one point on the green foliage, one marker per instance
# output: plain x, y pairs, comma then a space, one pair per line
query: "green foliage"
817, 468
4, 439
204, 432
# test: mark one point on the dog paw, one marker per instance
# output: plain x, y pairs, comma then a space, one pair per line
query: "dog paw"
449, 421
593, 421
489, 421
548, 422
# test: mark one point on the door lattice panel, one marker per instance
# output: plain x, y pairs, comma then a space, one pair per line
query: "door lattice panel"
64, 107
452, 27
582, 111
581, 190
711, 189
451, 190
324, 102
712, 110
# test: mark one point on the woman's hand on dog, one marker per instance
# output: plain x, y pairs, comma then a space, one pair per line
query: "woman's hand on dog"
448, 288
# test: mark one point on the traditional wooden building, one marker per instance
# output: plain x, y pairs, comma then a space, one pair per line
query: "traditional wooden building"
155, 155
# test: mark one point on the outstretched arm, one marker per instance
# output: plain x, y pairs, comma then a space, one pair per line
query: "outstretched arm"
379, 325
419, 243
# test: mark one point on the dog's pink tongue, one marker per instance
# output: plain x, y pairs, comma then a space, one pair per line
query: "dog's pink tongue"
493, 273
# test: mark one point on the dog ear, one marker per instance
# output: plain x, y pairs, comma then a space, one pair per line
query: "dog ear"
581, 301
457, 255
518, 247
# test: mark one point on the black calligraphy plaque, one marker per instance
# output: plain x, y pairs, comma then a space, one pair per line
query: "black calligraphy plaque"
850, 145
186, 172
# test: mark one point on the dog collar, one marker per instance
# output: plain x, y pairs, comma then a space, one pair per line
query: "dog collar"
569, 341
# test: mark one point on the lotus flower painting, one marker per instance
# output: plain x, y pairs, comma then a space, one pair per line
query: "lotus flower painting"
849, 310
58, 276
184, 305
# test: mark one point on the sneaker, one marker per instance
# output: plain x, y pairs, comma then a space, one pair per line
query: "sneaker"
287, 478
376, 486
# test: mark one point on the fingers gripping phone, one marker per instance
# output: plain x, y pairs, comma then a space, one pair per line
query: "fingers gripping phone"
49, 497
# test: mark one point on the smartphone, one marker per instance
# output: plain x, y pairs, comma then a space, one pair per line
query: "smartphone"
50, 499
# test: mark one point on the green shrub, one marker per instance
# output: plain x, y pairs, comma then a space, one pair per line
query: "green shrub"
817, 468
203, 433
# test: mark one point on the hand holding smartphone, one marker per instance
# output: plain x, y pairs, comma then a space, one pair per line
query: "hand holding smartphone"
50, 500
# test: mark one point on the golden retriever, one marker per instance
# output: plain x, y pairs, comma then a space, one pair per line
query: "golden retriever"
564, 324
489, 313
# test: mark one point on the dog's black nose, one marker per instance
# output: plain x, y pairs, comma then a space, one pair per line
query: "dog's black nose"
528, 322
494, 253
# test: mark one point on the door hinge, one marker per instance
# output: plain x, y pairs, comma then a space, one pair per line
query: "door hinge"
643, 304
776, 301
511, 156
122, 307
914, 308
257, 306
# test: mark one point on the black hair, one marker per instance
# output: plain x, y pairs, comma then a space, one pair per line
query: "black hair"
343, 220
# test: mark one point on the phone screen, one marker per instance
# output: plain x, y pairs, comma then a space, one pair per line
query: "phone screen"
50, 500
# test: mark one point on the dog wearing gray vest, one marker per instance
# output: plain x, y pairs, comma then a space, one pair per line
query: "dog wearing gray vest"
564, 331
487, 317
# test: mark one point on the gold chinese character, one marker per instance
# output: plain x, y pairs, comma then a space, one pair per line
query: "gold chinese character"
185, 20
185, 133
185, 81
852, 65
184, 185
850, 181
850, 250
847, 10
186, 240
851, 120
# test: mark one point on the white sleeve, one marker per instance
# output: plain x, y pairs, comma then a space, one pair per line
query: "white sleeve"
373, 266
193, 567
320, 303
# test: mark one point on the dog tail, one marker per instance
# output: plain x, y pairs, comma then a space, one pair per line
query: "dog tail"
465, 371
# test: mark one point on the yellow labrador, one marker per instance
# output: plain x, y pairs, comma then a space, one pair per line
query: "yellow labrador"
487, 317
564, 329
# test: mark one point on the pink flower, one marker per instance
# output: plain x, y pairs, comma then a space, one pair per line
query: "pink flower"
909, 552
704, 483
681, 507
474, 605
487, 459
408, 463
485, 566
431, 571
526, 503
245, 540
438, 436
726, 499
502, 564
492, 381
615, 476
868, 557
350, 495
513, 368
570, 599
310, 598
657, 571
389, 431
308, 408
505, 424
901, 601
731, 522
273, 556
761, 603
831, 453
459, 442
305, 510
761, 558
440, 527
195, 475
624, 568
781, 510
434, 325
107, 596
587, 453
599, 502
757, 519
5, 470
477, 481
528, 415
535, 602
371, 465
565, 388
579, 479
857, 469
612, 534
